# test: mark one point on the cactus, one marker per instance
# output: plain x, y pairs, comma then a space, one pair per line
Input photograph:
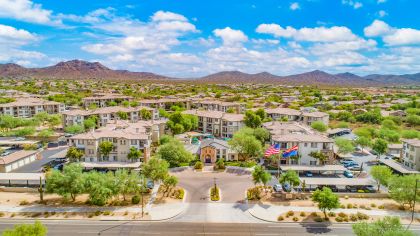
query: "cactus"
41, 190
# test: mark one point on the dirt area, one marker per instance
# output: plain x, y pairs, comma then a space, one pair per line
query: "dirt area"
168, 195
95, 215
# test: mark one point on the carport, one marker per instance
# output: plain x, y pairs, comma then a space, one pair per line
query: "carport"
315, 182
21, 179
315, 169
397, 167
110, 165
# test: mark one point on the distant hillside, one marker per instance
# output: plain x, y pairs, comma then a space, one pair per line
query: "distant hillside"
77, 69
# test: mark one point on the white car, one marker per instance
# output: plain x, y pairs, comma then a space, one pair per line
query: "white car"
277, 188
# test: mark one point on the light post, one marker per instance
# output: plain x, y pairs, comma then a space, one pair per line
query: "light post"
414, 204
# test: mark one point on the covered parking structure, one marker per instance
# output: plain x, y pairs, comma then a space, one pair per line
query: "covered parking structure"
315, 169
397, 167
110, 165
340, 183
21, 179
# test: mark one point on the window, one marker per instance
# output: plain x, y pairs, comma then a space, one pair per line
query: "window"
306, 144
312, 163
314, 145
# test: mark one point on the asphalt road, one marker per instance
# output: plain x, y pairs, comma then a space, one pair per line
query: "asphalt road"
37, 165
71, 228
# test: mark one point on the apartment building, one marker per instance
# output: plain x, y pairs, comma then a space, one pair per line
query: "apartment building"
166, 103
105, 115
28, 107
212, 150
214, 105
290, 134
103, 99
218, 123
306, 117
123, 135
411, 153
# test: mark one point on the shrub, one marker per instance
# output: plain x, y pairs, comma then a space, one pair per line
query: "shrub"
342, 206
253, 193
198, 165
107, 213
346, 197
36, 214
302, 214
373, 205
179, 194
318, 219
24, 202
97, 213
13, 215
381, 207
280, 218
135, 199
290, 213
339, 219
90, 215
342, 214
362, 216
353, 217
214, 194
295, 218
314, 214
360, 191
349, 205
1, 214
331, 214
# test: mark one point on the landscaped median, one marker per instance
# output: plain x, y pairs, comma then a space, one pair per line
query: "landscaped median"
215, 194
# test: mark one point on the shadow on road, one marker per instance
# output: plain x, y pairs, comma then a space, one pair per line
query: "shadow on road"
318, 228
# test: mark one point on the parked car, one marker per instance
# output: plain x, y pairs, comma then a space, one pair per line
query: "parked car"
351, 189
308, 174
150, 184
19, 139
355, 167
351, 164
59, 167
369, 189
287, 187
278, 188
348, 174
332, 187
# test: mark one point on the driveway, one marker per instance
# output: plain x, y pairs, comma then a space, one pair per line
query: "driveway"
36, 166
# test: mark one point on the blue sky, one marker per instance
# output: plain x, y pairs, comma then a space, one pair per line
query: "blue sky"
188, 38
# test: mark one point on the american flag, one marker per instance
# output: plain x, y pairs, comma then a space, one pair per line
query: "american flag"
274, 149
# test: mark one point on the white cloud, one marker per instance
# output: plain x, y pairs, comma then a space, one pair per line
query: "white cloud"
294, 6
337, 47
393, 36
168, 16
382, 13
26, 10
354, 4
265, 41
377, 28
11, 35
317, 34
230, 36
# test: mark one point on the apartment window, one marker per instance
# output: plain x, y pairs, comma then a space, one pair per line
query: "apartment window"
314, 145
133, 142
306, 144
79, 141
312, 163
91, 151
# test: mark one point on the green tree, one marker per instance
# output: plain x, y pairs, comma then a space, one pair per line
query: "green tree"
68, 183
381, 174
134, 154
326, 200
380, 146
388, 226
321, 157
261, 134
122, 115
319, 126
257, 174
413, 120
126, 182
402, 189
145, 114
74, 129
247, 146
74, 154
174, 153
344, 145
155, 169
170, 182
252, 120
89, 123
105, 147
101, 187
36, 229
363, 142
291, 177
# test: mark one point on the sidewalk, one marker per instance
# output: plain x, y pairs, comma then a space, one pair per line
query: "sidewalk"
271, 212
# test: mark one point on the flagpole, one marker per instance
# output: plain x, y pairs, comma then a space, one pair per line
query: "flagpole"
278, 166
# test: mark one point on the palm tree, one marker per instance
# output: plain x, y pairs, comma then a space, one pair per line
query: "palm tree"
291, 177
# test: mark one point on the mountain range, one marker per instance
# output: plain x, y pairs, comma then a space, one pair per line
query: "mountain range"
78, 69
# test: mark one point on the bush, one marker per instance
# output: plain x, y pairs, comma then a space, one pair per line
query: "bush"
318, 219
342, 214
24, 202
290, 213
179, 194
135, 199
339, 219
342, 206
331, 214
1, 214
280, 218
295, 218
373, 205
381, 207
302, 214
98, 213
198, 165
353, 217
349, 205
314, 214
107, 213
214, 194
253, 193
362, 216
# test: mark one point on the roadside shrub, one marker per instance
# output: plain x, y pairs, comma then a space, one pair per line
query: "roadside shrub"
353, 217
349, 205
97, 213
290, 213
135, 199
318, 219
90, 215
381, 207
373, 205
339, 219
107, 213
314, 214
24, 202
198, 165
13, 215
346, 197
342, 206
342, 214
303, 214
179, 194
360, 191
1, 214
295, 218
253, 193
362, 216
36, 214
331, 214
214, 194
280, 218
